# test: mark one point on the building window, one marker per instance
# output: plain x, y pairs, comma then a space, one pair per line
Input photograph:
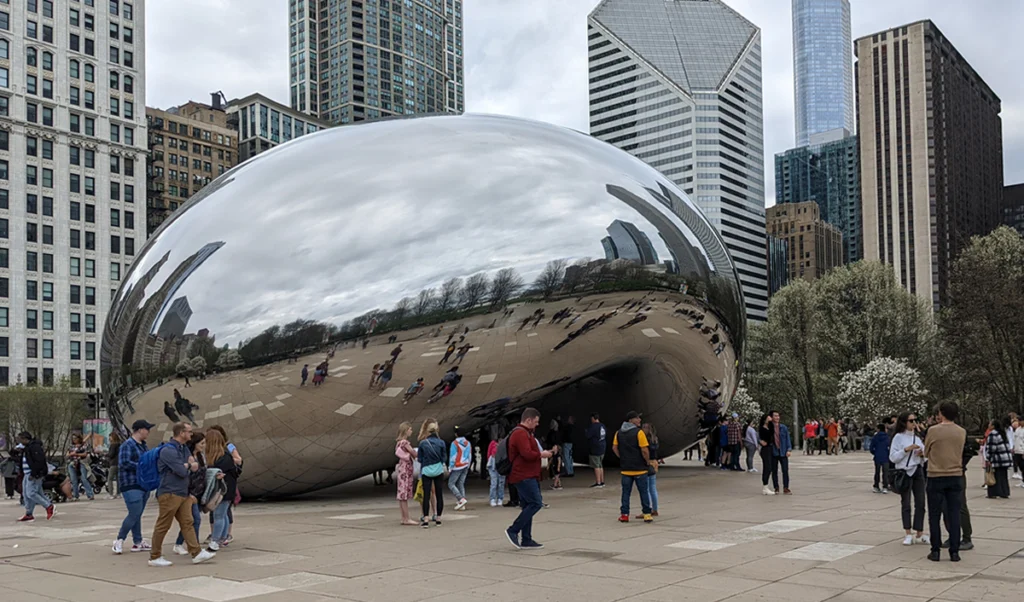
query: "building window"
48, 349
76, 264
76, 346
76, 323
115, 244
90, 268
115, 271
32, 319
90, 295
115, 218
32, 348
76, 293
90, 351
48, 291
90, 322
129, 246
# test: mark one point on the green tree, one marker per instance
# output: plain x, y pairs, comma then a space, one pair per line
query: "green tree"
49, 413
983, 323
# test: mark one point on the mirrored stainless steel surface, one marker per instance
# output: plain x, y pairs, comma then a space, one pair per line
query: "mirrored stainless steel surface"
582, 280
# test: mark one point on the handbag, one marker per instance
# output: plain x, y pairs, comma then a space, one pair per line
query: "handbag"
901, 482
990, 476
418, 496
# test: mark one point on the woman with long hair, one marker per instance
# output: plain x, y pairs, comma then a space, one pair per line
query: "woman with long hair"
77, 470
766, 439
906, 452
196, 488
999, 457
432, 453
406, 454
113, 450
237, 457
217, 456
652, 474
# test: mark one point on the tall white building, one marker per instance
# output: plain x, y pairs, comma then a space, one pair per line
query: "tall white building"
72, 179
677, 83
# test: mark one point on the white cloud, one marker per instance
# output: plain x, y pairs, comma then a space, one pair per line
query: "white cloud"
528, 57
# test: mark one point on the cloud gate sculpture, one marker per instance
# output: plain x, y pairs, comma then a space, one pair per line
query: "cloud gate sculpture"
567, 274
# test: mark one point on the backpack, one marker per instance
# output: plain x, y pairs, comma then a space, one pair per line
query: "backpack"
147, 474
502, 463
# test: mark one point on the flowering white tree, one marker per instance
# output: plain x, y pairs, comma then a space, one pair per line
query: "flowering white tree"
744, 404
883, 387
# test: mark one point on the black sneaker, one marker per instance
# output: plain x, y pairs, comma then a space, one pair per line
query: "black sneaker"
934, 556
512, 539
966, 545
954, 557
945, 545
531, 545
595, 485
424, 523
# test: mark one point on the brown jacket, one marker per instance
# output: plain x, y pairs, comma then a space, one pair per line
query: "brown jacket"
943, 447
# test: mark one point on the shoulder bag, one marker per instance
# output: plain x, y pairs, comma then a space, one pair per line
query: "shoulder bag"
901, 481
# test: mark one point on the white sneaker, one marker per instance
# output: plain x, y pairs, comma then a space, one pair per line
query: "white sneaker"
767, 491
754, 470
923, 539
180, 550
118, 546
214, 546
908, 540
203, 556
493, 503
160, 562
1016, 475
145, 546
1020, 484
461, 504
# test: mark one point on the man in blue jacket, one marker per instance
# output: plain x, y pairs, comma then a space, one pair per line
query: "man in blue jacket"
880, 453
175, 462
782, 447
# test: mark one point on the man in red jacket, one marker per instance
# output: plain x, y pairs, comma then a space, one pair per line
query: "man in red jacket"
525, 453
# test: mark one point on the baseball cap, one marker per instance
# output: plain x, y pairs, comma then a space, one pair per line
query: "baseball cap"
735, 415
140, 424
631, 415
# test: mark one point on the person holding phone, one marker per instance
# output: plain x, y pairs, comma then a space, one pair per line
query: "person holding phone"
906, 452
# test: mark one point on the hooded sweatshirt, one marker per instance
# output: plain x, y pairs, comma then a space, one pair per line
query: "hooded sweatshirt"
460, 454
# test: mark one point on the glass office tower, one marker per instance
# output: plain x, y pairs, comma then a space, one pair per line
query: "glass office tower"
823, 68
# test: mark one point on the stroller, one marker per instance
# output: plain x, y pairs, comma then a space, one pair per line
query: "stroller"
98, 467
57, 486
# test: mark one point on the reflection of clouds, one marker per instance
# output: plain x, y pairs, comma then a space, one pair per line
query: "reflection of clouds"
352, 219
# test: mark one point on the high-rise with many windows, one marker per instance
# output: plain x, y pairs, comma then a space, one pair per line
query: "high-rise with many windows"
353, 60
72, 179
822, 68
931, 154
677, 83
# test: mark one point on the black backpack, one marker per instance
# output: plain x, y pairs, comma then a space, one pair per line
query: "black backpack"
502, 463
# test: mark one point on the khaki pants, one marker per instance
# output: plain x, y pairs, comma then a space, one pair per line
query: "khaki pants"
174, 507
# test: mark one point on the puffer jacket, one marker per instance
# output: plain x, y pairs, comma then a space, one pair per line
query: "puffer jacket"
997, 450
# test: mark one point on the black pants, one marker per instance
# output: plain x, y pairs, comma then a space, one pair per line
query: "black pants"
965, 514
769, 468
437, 484
513, 495
882, 475
9, 488
916, 491
1018, 463
1002, 486
944, 498
783, 463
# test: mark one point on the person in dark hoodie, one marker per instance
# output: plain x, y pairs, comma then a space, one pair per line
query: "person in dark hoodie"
170, 413
631, 446
33, 464
880, 453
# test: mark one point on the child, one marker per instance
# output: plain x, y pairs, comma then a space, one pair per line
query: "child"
373, 375
497, 480
555, 467
880, 452
413, 390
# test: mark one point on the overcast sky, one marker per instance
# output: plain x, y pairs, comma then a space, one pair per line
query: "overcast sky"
529, 57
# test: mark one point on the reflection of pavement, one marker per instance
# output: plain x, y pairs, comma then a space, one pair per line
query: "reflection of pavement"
716, 538
343, 416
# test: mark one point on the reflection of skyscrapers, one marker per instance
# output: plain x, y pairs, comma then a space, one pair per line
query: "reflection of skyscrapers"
193, 264
175, 320
626, 241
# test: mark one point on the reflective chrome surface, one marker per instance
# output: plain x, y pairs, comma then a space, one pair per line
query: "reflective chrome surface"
421, 228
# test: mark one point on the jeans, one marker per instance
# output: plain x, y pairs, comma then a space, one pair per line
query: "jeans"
567, 459
432, 484
530, 502
751, 452
32, 492
917, 491
135, 500
112, 481
221, 524
627, 492
457, 483
497, 485
783, 463
882, 475
197, 518
652, 491
80, 475
944, 498
734, 459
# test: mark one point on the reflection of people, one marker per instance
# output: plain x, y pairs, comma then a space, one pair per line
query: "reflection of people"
413, 390
395, 353
461, 355
385, 374
447, 353
305, 375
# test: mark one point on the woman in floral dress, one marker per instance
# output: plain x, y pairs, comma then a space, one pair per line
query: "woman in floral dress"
406, 454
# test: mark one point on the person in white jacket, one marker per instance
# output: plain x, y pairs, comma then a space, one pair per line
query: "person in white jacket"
1018, 451
907, 454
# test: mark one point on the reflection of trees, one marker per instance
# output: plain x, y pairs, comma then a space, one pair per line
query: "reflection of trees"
449, 294
424, 301
504, 286
551, 278
280, 341
474, 290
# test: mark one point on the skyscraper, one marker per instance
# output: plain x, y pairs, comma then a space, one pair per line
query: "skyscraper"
677, 83
930, 154
354, 60
72, 179
823, 69
828, 174
813, 246
626, 241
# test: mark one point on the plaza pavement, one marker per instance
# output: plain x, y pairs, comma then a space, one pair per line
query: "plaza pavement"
717, 538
